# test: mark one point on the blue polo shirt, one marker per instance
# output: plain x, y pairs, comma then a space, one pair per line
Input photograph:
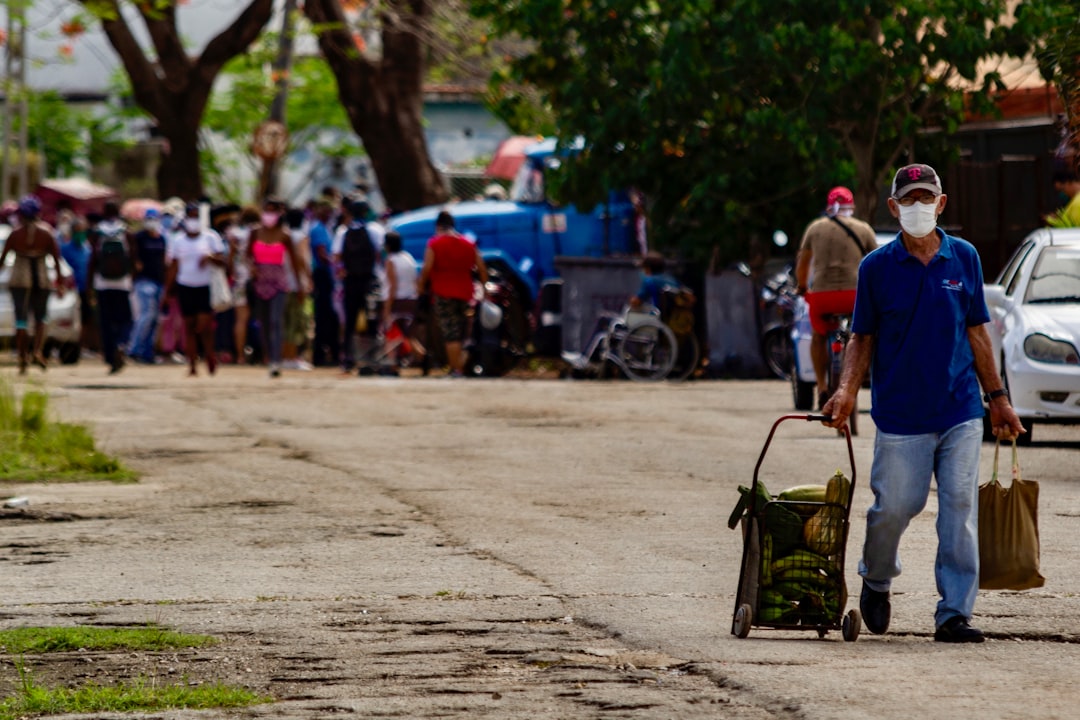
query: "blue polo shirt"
922, 375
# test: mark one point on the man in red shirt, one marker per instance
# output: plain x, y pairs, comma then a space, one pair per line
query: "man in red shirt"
449, 261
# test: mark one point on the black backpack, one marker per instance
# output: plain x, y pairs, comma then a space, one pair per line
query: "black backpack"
358, 252
114, 261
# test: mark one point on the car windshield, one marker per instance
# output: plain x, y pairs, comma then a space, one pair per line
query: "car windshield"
1056, 278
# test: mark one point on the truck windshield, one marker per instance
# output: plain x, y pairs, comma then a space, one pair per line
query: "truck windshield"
528, 186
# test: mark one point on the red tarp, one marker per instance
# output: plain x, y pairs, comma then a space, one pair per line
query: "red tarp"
509, 156
82, 195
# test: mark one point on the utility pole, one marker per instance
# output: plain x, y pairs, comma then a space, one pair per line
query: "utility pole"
282, 66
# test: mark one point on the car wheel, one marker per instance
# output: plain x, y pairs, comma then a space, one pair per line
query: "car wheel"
70, 353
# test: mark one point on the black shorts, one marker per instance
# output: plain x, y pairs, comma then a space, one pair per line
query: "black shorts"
194, 300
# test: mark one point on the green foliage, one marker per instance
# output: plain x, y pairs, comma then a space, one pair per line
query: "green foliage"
241, 101
139, 696
732, 116
36, 640
34, 448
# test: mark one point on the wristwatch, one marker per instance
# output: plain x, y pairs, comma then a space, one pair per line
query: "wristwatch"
995, 394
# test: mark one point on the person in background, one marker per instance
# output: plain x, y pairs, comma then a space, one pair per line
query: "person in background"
267, 251
832, 247
326, 346
75, 249
919, 328
111, 270
190, 253
355, 252
654, 280
28, 284
401, 274
1067, 184
299, 279
148, 251
238, 237
449, 262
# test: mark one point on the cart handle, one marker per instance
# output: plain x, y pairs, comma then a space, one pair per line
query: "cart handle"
808, 418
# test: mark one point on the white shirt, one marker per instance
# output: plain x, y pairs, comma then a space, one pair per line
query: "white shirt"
241, 235
302, 248
188, 251
403, 267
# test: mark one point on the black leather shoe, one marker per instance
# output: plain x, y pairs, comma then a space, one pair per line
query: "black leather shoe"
875, 608
957, 630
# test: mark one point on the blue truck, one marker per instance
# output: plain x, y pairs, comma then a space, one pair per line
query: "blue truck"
524, 234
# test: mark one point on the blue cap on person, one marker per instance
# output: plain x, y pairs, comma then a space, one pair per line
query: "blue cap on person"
152, 214
915, 177
30, 206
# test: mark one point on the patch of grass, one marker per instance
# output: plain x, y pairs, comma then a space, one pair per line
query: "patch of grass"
33, 448
33, 699
140, 695
35, 640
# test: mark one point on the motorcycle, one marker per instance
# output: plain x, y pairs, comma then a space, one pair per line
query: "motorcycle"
501, 326
778, 299
786, 335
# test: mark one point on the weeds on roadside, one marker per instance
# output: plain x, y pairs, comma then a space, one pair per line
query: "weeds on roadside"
34, 448
36, 640
139, 695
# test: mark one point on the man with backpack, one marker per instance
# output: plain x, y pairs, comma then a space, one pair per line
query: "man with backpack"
356, 252
111, 267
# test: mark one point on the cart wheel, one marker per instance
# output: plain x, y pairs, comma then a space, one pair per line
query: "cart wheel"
743, 617
851, 625
822, 632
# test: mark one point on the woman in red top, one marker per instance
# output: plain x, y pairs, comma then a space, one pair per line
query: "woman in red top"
448, 271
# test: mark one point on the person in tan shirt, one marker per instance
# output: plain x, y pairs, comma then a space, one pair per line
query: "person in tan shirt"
832, 248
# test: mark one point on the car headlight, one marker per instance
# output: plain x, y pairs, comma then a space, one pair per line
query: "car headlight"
1041, 348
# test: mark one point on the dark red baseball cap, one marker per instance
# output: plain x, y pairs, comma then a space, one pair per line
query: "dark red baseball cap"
915, 177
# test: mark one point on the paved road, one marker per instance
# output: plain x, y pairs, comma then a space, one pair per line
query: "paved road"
508, 548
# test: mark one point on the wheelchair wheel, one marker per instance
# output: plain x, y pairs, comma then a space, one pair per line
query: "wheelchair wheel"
686, 361
648, 351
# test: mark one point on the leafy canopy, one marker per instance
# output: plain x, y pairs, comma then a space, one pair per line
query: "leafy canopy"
734, 116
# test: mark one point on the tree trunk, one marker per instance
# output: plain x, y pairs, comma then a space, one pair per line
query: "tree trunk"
175, 88
180, 174
384, 98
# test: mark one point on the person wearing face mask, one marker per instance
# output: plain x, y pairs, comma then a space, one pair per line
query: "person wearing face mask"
110, 269
148, 255
919, 329
188, 256
272, 256
832, 248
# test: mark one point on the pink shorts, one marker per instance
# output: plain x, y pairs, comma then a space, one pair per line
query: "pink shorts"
829, 302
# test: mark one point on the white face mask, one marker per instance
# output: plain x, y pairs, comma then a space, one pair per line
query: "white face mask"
918, 220
192, 225
152, 226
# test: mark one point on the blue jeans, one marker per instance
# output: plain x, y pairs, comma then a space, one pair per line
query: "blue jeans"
147, 304
900, 480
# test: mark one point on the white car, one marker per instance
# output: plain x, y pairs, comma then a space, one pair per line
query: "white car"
65, 320
1035, 327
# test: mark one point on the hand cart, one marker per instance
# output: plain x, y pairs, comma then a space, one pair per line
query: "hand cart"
792, 572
